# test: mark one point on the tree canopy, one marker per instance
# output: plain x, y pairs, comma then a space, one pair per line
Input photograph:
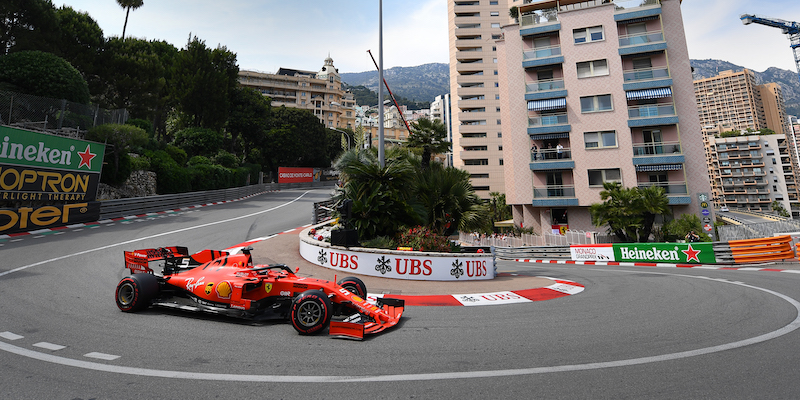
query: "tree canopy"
42, 74
430, 136
629, 213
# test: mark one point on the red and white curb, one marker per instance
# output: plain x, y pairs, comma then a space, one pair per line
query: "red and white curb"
659, 265
559, 288
130, 217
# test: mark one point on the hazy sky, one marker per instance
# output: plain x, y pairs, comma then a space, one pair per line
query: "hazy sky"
269, 34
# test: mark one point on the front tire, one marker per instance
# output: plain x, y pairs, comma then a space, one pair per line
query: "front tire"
136, 292
354, 286
311, 311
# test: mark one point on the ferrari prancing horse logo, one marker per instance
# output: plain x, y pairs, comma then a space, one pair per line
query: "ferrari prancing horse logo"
268, 287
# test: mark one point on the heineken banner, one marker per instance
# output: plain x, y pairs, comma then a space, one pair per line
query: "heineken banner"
677, 253
46, 180
33, 149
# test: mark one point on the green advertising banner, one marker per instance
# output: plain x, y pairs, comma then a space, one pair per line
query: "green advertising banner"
701, 253
33, 149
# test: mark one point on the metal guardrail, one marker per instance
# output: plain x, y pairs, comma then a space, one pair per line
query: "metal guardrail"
537, 252
143, 205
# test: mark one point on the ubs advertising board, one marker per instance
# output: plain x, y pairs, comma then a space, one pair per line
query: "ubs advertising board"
682, 253
46, 180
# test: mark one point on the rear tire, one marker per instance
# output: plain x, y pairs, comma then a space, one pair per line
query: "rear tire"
136, 292
355, 286
311, 311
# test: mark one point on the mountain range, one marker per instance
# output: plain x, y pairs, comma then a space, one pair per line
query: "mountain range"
424, 82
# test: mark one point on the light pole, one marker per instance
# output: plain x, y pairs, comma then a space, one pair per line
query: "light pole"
345, 133
381, 157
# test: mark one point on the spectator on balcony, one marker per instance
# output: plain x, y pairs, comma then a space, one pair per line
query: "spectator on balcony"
535, 152
559, 150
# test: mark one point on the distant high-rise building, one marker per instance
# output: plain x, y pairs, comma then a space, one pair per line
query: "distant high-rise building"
474, 27
440, 109
594, 92
320, 92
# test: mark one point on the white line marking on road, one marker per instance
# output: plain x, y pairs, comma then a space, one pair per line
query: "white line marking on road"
792, 326
101, 356
22, 268
10, 336
49, 346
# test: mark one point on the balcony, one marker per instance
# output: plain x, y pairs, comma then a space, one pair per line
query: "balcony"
634, 9
548, 123
545, 89
554, 195
651, 115
538, 22
655, 153
646, 78
676, 192
550, 159
541, 56
641, 43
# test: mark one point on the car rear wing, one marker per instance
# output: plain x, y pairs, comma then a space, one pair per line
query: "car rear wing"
139, 260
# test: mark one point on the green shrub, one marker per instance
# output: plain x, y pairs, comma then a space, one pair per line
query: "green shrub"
198, 160
423, 239
199, 141
210, 177
177, 154
140, 163
381, 242
119, 140
170, 177
226, 159
141, 123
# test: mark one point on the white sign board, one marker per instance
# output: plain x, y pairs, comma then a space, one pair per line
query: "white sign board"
592, 252
402, 265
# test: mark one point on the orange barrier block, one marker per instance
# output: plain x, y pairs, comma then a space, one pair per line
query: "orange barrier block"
762, 250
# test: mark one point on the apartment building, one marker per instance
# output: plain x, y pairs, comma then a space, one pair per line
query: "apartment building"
774, 108
440, 109
731, 100
320, 92
474, 26
750, 172
593, 92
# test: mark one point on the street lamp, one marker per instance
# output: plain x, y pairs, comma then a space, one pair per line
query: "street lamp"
346, 134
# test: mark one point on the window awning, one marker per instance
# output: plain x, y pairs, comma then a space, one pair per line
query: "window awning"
642, 19
547, 136
549, 104
662, 167
649, 93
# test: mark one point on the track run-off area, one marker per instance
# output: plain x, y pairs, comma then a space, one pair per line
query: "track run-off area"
631, 332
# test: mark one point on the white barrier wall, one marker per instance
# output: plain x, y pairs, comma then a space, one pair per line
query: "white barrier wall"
411, 265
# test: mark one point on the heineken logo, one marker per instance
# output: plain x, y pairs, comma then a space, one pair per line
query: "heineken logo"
655, 253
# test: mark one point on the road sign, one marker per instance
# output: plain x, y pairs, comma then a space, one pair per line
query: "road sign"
705, 212
707, 227
706, 219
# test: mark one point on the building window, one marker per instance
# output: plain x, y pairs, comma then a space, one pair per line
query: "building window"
480, 161
501, 161
497, 84
494, 13
481, 188
473, 135
499, 134
596, 103
495, 25
598, 176
479, 176
599, 140
496, 37
586, 35
493, 3
592, 68
476, 148
497, 97
500, 148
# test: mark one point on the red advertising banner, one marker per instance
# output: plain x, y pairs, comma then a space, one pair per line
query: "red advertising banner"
294, 175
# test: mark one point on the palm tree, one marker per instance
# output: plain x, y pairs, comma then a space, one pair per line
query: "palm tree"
629, 212
449, 199
128, 5
430, 136
653, 201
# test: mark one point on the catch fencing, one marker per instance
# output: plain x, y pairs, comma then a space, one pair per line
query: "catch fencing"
756, 231
528, 240
54, 116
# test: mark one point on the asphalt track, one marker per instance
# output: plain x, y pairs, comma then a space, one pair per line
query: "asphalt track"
634, 332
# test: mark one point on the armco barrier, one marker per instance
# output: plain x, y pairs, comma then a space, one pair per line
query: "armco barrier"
774, 248
143, 205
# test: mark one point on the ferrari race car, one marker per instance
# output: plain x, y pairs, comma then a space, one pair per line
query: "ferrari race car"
229, 284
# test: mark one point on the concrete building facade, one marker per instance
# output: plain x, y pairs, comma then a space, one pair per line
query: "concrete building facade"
603, 90
320, 92
474, 26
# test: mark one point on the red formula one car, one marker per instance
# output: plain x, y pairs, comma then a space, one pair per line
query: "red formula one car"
229, 284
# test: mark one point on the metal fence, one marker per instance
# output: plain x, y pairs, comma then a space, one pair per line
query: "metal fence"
150, 204
54, 116
527, 240
755, 231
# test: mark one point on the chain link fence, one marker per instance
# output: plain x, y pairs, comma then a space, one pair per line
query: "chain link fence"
54, 116
759, 230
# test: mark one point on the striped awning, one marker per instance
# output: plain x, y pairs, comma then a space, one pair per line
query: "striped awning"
642, 19
547, 136
649, 93
661, 167
549, 104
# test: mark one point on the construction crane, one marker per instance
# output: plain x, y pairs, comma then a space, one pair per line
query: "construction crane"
790, 28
